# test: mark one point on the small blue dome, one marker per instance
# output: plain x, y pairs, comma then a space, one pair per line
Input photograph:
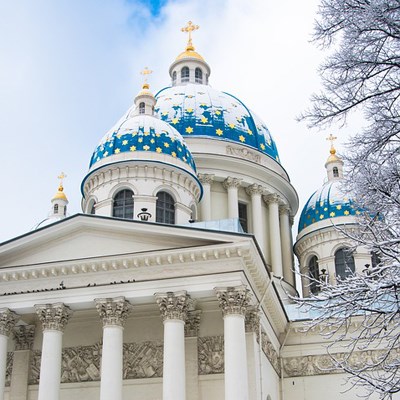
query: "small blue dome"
326, 203
201, 111
143, 134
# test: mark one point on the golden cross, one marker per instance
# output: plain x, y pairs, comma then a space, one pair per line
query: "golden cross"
331, 138
145, 73
61, 177
189, 28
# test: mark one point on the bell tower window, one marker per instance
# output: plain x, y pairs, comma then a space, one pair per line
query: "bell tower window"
344, 263
55, 208
335, 172
174, 78
185, 74
142, 108
198, 75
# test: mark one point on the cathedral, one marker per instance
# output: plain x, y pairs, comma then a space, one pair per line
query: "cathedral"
174, 282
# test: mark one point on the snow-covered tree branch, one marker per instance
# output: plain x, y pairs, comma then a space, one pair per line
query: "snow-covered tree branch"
363, 73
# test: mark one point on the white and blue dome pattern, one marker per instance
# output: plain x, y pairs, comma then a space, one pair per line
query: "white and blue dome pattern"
201, 111
326, 203
143, 133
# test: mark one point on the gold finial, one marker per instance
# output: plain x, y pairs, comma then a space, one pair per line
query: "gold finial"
146, 71
332, 138
61, 177
189, 28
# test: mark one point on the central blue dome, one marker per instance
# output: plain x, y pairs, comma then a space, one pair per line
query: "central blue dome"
201, 111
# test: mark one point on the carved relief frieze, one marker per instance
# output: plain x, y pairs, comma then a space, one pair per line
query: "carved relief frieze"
322, 364
270, 352
23, 337
9, 367
34, 370
143, 360
211, 355
243, 153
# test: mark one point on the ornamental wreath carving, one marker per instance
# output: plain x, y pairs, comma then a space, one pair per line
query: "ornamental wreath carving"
211, 355
243, 153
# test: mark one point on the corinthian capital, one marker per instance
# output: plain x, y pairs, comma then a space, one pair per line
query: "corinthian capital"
113, 311
252, 320
173, 305
284, 209
192, 323
53, 317
254, 189
8, 319
230, 182
23, 337
271, 198
233, 300
206, 179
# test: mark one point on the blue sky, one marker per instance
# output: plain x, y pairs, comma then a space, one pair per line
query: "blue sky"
69, 69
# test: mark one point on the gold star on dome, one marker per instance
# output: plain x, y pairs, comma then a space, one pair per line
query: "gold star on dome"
242, 138
158, 149
339, 207
145, 148
146, 133
262, 146
332, 214
133, 148
175, 121
173, 154
105, 154
119, 135
249, 132
124, 142
189, 129
165, 113
117, 151
321, 216
231, 126
189, 110
166, 144
152, 141
219, 132
140, 140
217, 112
204, 119
346, 212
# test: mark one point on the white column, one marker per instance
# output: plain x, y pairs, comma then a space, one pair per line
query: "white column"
173, 308
205, 203
234, 302
275, 237
113, 313
255, 192
7, 322
23, 339
232, 185
54, 318
286, 240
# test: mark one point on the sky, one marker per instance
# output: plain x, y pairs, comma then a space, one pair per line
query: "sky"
69, 69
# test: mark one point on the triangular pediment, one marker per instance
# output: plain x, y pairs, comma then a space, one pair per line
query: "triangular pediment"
85, 236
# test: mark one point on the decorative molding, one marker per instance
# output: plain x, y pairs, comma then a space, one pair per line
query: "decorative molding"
206, 179
231, 182
143, 360
53, 316
211, 355
34, 368
284, 209
243, 153
173, 305
233, 300
254, 190
8, 319
23, 337
192, 323
113, 311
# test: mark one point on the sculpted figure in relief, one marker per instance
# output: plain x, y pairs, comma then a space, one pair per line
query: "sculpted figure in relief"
211, 355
